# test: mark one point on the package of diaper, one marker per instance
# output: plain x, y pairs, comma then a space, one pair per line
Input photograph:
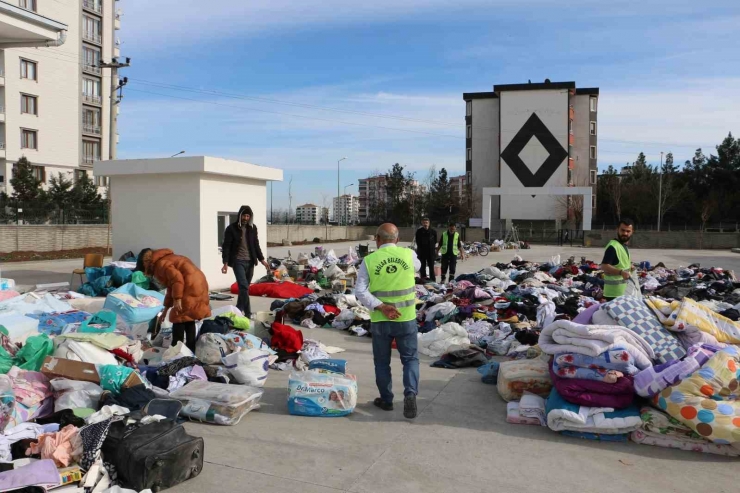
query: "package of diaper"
316, 393
333, 365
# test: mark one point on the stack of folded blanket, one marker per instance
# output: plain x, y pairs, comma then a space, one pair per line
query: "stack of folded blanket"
565, 416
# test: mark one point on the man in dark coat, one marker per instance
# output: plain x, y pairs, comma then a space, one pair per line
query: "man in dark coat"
241, 251
426, 241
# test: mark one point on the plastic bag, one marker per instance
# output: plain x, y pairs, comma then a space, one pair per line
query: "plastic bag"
134, 304
121, 276
248, 367
31, 355
85, 352
105, 321
210, 348
73, 394
333, 272
217, 403
489, 372
140, 280
555, 260
177, 351
7, 401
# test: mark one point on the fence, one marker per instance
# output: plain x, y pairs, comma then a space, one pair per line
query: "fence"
54, 216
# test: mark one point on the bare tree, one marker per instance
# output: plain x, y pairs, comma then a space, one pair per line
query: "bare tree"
571, 206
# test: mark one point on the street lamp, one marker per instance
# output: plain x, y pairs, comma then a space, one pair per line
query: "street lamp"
350, 204
181, 152
660, 188
345, 157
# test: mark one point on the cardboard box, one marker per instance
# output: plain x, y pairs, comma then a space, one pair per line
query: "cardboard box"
70, 369
132, 381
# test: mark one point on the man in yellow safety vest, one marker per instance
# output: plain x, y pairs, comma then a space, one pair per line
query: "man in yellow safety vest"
617, 265
386, 286
450, 247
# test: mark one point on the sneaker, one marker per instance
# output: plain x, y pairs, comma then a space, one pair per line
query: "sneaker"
409, 407
385, 406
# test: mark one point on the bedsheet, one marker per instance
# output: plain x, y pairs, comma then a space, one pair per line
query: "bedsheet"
651, 381
693, 314
517, 377
618, 395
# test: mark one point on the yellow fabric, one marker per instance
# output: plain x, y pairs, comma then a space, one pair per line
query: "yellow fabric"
446, 242
665, 311
706, 320
391, 273
615, 286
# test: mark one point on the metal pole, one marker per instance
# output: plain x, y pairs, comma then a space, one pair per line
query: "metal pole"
660, 188
336, 209
271, 220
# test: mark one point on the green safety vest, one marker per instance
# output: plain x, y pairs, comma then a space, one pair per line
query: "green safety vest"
391, 271
615, 286
446, 240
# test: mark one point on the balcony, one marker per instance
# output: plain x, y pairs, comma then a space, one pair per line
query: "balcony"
92, 6
88, 99
92, 37
92, 69
117, 21
91, 129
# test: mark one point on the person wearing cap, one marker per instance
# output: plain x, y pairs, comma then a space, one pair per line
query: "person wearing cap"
241, 251
386, 286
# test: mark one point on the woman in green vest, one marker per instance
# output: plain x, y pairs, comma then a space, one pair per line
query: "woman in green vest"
617, 265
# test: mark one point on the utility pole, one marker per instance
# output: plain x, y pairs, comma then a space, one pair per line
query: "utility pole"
115, 87
660, 189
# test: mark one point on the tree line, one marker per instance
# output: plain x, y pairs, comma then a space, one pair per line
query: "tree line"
705, 191
72, 197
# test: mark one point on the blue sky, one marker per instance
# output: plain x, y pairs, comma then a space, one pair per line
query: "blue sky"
254, 80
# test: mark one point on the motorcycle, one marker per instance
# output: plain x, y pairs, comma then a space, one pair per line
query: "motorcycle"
475, 248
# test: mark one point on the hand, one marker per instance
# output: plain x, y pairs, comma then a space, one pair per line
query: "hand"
178, 306
625, 274
267, 266
390, 311
225, 269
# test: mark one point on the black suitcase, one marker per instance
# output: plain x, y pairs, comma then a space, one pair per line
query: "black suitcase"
156, 456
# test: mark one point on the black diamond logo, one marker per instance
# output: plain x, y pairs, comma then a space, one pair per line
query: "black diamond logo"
534, 128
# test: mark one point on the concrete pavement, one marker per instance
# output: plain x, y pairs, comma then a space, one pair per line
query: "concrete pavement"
459, 442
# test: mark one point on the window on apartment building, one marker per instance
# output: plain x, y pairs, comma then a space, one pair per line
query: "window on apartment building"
469, 154
90, 151
90, 87
91, 28
27, 4
469, 132
28, 69
90, 56
91, 117
592, 177
29, 139
592, 128
593, 201
592, 104
79, 174
592, 152
29, 104
469, 108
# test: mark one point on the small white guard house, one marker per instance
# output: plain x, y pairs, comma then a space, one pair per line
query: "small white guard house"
185, 204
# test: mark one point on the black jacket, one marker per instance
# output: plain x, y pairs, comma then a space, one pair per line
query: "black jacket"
233, 237
426, 240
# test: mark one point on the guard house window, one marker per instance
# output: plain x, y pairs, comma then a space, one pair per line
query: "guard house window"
592, 128
29, 104
592, 177
592, 102
469, 132
469, 108
592, 152
593, 201
469, 154
28, 69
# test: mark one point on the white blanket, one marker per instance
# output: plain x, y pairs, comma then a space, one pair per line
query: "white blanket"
564, 336
591, 420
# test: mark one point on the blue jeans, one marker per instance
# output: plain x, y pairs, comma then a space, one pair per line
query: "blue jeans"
405, 334
244, 270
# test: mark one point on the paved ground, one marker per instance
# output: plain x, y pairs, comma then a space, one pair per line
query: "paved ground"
459, 442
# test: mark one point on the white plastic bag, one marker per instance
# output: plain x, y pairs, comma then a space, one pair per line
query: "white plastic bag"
73, 394
177, 351
248, 367
210, 348
555, 260
217, 403
85, 352
333, 272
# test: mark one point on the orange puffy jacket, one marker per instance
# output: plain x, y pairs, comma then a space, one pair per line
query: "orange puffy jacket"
184, 281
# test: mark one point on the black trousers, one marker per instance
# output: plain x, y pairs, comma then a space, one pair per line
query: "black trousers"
244, 270
426, 259
449, 261
182, 330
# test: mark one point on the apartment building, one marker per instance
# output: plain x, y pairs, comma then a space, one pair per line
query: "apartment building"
54, 96
534, 135
458, 185
346, 209
308, 214
373, 197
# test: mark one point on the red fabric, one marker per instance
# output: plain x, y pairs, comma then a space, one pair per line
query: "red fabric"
286, 338
332, 309
275, 290
123, 355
